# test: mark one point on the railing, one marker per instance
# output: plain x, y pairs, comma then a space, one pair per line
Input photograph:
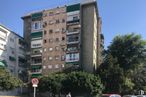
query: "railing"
36, 63
72, 32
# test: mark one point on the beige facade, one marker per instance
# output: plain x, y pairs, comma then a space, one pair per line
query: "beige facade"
63, 37
54, 40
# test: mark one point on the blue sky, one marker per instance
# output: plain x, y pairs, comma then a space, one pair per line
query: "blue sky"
118, 16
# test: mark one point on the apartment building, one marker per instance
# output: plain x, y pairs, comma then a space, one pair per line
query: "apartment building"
64, 37
12, 53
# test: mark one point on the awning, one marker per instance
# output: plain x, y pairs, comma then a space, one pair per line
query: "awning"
2, 64
35, 75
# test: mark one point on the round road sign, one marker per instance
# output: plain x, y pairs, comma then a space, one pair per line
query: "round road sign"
35, 81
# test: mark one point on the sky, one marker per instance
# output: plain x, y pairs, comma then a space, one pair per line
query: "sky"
119, 17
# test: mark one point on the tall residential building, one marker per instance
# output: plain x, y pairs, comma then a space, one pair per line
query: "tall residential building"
64, 37
12, 53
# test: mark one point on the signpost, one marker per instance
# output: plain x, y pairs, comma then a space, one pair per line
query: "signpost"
35, 82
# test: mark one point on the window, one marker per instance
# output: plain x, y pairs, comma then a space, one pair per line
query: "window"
57, 30
44, 59
2, 39
45, 14
11, 39
44, 49
62, 58
44, 67
63, 20
45, 32
50, 66
63, 30
51, 13
63, 49
56, 57
51, 22
57, 39
50, 58
36, 25
57, 12
44, 24
75, 18
57, 21
62, 65
50, 49
13, 52
56, 66
45, 41
57, 48
72, 57
50, 40
50, 31
63, 38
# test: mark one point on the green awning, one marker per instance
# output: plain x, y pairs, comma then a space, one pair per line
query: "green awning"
36, 66
35, 75
2, 64
74, 7
36, 34
36, 16
73, 63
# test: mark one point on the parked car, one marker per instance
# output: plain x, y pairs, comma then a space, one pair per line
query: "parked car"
111, 95
129, 96
141, 95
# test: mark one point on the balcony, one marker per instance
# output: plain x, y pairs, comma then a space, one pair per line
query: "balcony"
72, 49
73, 39
37, 71
36, 52
36, 55
39, 63
73, 22
73, 32
72, 57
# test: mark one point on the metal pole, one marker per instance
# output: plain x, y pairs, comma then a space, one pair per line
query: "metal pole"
34, 92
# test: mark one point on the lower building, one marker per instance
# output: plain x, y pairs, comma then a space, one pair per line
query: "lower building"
12, 53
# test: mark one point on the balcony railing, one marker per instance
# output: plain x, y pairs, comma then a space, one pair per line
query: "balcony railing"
72, 41
72, 32
36, 72
36, 54
39, 63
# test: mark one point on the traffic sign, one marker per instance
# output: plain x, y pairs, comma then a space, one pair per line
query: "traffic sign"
35, 81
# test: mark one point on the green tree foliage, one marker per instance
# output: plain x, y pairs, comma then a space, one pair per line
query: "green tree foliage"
82, 82
74, 82
7, 81
129, 50
51, 83
124, 57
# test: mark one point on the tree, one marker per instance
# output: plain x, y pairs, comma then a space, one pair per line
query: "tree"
7, 81
82, 83
51, 83
124, 57
129, 50
74, 82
